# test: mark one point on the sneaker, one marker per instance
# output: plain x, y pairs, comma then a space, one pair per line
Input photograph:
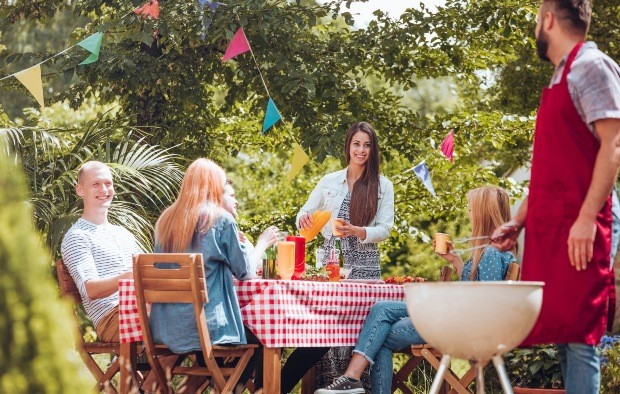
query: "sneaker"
343, 385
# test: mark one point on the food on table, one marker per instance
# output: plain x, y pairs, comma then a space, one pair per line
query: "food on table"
399, 280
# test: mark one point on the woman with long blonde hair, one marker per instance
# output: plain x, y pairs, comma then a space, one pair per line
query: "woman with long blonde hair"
197, 222
388, 328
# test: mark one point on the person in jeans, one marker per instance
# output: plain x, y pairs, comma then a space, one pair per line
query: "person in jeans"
388, 327
568, 212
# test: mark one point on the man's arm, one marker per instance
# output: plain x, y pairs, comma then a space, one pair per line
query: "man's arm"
100, 288
582, 233
505, 236
78, 257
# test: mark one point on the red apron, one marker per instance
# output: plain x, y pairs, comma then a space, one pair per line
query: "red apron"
575, 303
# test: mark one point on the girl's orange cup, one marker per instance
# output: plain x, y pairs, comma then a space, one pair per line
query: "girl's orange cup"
441, 243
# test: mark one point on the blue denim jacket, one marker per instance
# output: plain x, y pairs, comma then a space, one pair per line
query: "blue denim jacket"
331, 191
174, 324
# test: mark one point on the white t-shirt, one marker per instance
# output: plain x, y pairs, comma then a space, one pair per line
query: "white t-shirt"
93, 251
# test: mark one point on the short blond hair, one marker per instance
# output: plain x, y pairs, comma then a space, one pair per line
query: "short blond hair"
89, 165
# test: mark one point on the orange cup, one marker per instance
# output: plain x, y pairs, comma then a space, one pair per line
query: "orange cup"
335, 223
441, 243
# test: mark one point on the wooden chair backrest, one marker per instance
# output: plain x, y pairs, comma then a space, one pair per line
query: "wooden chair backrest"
512, 273
67, 285
171, 278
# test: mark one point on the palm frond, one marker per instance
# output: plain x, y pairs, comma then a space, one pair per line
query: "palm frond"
11, 139
124, 213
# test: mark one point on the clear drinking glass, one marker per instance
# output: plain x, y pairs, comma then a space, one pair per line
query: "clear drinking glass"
321, 256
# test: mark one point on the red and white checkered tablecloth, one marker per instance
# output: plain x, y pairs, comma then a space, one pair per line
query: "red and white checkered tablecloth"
129, 328
289, 313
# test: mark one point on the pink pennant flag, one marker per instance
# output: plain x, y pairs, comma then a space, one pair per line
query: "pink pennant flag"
148, 9
447, 146
238, 45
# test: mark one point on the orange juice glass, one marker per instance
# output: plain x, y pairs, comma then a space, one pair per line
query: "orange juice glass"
286, 259
335, 223
319, 220
333, 271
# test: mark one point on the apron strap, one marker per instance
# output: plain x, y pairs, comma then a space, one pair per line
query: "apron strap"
571, 57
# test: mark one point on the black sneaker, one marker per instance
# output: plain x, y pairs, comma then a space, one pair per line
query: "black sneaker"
343, 385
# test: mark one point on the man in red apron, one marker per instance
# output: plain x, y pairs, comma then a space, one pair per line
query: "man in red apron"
568, 210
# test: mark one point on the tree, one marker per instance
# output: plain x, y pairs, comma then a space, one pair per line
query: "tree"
323, 75
36, 328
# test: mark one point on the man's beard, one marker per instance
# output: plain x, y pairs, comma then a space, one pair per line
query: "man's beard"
542, 45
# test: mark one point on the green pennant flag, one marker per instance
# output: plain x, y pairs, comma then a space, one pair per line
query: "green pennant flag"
93, 45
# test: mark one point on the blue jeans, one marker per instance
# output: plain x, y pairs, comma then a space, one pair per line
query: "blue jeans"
387, 329
580, 368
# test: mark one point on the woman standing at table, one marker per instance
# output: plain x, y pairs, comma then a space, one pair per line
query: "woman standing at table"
197, 222
361, 196
364, 199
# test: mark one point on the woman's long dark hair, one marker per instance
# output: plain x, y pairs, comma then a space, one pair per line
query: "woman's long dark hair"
365, 193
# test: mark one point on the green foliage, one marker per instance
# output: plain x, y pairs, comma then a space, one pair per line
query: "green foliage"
36, 327
536, 367
146, 176
610, 371
414, 78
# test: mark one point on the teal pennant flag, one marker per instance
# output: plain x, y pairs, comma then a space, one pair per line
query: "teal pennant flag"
272, 115
93, 45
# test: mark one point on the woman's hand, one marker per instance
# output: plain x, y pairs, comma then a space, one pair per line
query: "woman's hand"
349, 230
268, 237
453, 259
305, 221
449, 257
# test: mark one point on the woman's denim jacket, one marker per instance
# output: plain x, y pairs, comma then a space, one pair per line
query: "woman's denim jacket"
330, 193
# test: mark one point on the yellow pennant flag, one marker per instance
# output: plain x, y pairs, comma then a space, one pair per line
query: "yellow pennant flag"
31, 79
299, 159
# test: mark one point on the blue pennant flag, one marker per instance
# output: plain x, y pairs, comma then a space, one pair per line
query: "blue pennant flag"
421, 171
207, 17
272, 115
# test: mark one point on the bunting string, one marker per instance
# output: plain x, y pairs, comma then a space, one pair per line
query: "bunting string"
31, 79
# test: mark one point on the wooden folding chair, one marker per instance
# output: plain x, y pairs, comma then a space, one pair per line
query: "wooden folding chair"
184, 283
433, 356
69, 290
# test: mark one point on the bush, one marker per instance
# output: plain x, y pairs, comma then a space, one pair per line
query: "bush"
610, 365
36, 342
537, 367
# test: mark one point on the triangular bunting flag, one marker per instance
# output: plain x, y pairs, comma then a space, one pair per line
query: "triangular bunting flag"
207, 18
238, 45
148, 9
421, 171
93, 45
299, 159
447, 146
272, 115
31, 79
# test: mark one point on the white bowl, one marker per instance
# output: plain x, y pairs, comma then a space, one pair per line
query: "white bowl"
474, 320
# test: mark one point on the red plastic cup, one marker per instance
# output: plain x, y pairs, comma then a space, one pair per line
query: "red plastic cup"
300, 255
